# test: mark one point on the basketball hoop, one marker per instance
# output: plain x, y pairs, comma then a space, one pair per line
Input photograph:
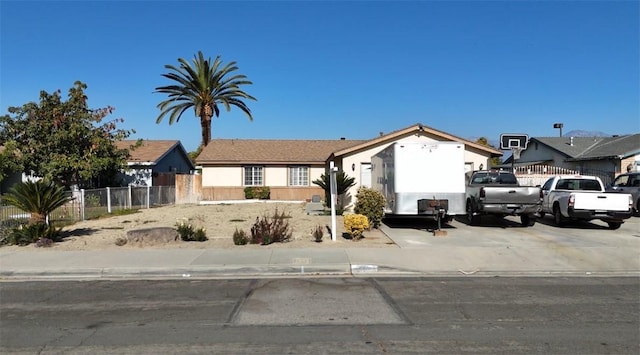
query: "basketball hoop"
516, 153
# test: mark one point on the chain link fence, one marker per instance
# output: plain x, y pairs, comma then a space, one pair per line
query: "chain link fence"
88, 204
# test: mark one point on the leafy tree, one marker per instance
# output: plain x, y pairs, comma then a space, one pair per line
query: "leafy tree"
9, 160
484, 141
39, 198
203, 85
194, 155
343, 184
65, 141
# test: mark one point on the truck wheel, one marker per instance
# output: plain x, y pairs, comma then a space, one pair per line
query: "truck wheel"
471, 218
557, 216
614, 225
527, 220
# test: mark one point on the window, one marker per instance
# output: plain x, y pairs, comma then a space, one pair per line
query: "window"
298, 176
252, 176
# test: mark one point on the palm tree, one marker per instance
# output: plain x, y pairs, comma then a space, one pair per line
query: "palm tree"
203, 85
39, 198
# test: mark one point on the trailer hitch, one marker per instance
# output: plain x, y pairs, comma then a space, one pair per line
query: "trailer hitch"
436, 209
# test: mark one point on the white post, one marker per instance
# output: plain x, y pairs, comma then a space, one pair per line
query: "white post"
130, 202
334, 191
148, 195
108, 200
82, 203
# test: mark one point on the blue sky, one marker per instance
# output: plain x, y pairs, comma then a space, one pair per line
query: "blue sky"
330, 69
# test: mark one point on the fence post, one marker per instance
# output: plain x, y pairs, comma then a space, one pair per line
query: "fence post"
148, 196
82, 204
130, 200
160, 202
108, 200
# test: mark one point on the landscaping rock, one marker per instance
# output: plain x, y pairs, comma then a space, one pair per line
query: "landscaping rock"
152, 236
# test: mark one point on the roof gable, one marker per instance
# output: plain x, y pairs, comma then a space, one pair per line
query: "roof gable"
421, 129
151, 151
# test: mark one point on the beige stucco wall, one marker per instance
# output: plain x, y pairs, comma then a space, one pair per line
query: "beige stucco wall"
315, 172
231, 176
275, 176
222, 176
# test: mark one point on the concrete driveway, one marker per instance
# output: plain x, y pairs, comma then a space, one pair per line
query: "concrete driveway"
585, 246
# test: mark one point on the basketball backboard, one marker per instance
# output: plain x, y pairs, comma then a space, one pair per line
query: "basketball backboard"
514, 140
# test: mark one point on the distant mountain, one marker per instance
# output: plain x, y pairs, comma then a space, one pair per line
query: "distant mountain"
580, 133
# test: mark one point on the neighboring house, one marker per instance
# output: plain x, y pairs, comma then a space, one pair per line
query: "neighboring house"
288, 167
607, 154
155, 162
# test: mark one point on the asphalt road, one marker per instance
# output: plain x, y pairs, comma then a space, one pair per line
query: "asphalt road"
582, 315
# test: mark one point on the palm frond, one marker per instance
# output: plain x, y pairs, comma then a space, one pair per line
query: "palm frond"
202, 83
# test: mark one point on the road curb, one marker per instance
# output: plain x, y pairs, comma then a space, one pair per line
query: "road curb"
267, 271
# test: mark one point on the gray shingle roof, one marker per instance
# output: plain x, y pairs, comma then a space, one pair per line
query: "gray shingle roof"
594, 147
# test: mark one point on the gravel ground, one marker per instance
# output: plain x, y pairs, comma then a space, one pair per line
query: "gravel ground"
220, 222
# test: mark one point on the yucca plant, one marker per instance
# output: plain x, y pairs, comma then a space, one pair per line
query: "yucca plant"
39, 198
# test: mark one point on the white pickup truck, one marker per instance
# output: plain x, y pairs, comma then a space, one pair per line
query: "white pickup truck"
576, 197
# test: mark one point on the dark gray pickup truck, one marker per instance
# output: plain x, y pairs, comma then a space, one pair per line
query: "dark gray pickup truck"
498, 193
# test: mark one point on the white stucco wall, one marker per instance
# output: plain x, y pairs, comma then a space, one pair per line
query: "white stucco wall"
474, 159
472, 156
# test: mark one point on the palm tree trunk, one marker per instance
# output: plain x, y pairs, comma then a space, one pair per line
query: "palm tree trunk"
205, 126
37, 218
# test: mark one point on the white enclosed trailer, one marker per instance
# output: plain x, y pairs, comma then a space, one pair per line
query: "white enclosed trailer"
421, 179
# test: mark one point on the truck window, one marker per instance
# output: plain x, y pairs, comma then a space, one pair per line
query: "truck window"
547, 185
562, 185
621, 180
480, 178
509, 179
590, 185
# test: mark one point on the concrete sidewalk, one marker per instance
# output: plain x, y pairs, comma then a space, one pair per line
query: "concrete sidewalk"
467, 251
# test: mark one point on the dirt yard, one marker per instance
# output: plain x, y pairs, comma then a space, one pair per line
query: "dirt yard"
220, 221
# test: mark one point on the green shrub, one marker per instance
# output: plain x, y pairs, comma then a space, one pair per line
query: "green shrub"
274, 229
7, 226
259, 192
240, 237
32, 233
91, 201
371, 204
189, 233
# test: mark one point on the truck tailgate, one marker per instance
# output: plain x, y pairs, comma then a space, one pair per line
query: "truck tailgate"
512, 194
601, 201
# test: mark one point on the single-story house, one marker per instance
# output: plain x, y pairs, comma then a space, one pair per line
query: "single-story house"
288, 167
612, 155
155, 162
